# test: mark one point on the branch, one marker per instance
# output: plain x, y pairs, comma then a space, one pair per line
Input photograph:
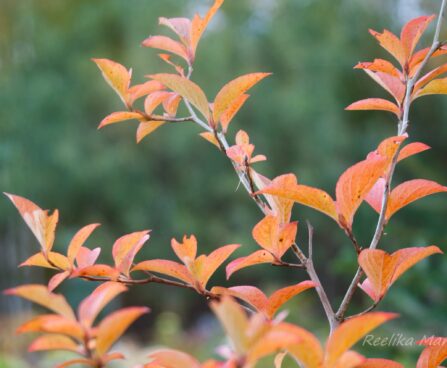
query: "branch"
402, 129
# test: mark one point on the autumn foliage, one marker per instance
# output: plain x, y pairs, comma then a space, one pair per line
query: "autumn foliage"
254, 323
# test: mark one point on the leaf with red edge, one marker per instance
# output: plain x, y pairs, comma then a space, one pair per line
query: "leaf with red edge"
166, 44
380, 65
39, 294
54, 342
412, 149
39, 221
412, 32
91, 306
409, 192
199, 24
375, 104
434, 353
78, 241
351, 331
353, 186
286, 186
170, 358
87, 257
117, 76
143, 89
227, 116
380, 363
213, 262
383, 269
53, 323
165, 267
185, 88
391, 43
125, 249
114, 325
435, 87
234, 91
57, 279
392, 85
258, 257
281, 296
98, 270
119, 117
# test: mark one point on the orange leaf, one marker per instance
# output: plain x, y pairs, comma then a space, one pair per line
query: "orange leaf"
412, 149
125, 249
117, 76
39, 294
258, 257
53, 342
308, 351
353, 186
185, 88
435, 87
272, 236
165, 267
281, 296
39, 260
380, 363
118, 117
147, 127
380, 65
141, 90
87, 257
286, 186
249, 294
420, 56
383, 269
375, 104
392, 85
429, 77
214, 260
78, 241
350, 359
187, 250
434, 353
53, 323
233, 91
210, 137
234, 321
351, 331
199, 24
412, 32
389, 146
181, 27
228, 115
391, 43
69, 363
91, 306
411, 191
166, 44
154, 100
39, 221
114, 325
171, 103
98, 270
170, 358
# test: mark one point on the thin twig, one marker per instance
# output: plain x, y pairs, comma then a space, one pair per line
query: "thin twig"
402, 129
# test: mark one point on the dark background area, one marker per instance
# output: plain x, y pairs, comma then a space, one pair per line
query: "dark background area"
52, 98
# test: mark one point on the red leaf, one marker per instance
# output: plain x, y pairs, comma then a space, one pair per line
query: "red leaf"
380, 65
375, 104
380, 363
87, 257
434, 353
412, 149
392, 85
412, 32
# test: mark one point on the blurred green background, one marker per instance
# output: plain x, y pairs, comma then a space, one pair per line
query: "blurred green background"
52, 98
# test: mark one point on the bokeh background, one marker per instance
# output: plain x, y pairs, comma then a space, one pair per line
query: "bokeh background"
52, 98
